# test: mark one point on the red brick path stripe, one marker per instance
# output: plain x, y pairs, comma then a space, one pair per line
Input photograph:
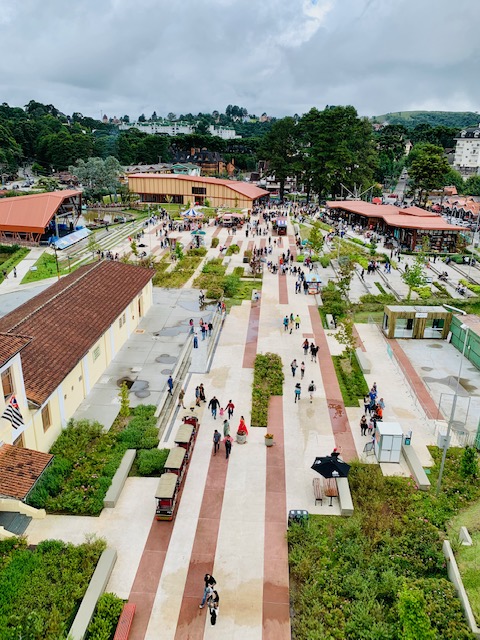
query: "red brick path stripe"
228, 241
415, 381
276, 598
251, 245
148, 575
282, 289
293, 246
252, 336
191, 619
216, 232
338, 417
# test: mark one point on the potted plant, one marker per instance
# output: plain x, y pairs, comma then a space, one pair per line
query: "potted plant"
269, 439
241, 436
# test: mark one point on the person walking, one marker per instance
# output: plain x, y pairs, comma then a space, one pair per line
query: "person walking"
213, 607
195, 341
311, 389
230, 408
181, 396
210, 327
216, 441
228, 447
366, 404
306, 346
213, 406
314, 352
294, 366
297, 321
302, 370
170, 385
285, 323
226, 428
202, 392
363, 425
298, 391
197, 396
204, 331
210, 582
14, 272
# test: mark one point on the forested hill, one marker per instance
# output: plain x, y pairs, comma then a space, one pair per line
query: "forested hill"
410, 119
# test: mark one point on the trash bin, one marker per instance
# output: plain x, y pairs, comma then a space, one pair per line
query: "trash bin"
297, 515
407, 440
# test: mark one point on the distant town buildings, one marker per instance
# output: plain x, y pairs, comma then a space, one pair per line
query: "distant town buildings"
467, 151
175, 128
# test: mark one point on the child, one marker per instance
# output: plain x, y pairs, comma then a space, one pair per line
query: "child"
222, 411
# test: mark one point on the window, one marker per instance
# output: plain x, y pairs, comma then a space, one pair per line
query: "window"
199, 191
7, 383
46, 419
121, 321
96, 353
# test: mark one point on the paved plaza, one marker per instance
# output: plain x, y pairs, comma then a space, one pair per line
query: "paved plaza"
232, 517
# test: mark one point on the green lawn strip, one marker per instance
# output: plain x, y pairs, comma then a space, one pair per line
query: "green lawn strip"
45, 267
268, 380
380, 288
350, 576
353, 385
182, 271
87, 457
105, 618
42, 587
10, 256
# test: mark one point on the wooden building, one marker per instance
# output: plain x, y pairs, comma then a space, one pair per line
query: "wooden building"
416, 322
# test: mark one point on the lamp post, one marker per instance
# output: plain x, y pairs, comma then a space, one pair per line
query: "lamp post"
56, 261
474, 236
465, 328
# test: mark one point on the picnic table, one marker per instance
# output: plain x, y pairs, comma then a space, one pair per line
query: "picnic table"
331, 489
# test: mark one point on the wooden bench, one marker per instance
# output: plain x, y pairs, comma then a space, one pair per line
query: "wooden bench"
318, 491
331, 489
125, 622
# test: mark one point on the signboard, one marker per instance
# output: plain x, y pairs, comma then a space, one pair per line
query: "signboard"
421, 315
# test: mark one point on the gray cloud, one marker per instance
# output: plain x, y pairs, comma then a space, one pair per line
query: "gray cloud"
279, 56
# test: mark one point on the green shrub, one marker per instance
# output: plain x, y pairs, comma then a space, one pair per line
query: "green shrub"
214, 267
215, 242
442, 289
151, 462
324, 261
105, 619
239, 272
267, 381
231, 285
233, 248
248, 254
301, 258
214, 292
353, 385
197, 251
423, 292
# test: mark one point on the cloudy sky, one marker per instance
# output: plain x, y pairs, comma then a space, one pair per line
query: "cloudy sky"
280, 56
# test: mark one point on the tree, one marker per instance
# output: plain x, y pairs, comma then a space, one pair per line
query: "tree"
454, 178
126, 119
414, 276
469, 463
472, 186
124, 400
48, 184
315, 237
280, 148
427, 169
141, 118
345, 335
346, 268
98, 176
92, 244
171, 116
154, 117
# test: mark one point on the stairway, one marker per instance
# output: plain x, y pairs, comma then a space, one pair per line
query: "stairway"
16, 523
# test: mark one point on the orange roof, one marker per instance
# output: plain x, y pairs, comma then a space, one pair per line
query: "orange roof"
20, 469
31, 213
10, 345
244, 188
409, 218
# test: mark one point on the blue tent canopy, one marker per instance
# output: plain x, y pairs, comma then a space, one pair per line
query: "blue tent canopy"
191, 213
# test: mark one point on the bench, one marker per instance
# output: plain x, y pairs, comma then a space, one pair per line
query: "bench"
415, 467
119, 479
125, 622
344, 497
330, 321
318, 491
363, 361
331, 489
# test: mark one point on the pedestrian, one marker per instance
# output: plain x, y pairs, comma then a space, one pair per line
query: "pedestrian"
221, 412
381, 404
195, 341
210, 327
210, 582
297, 321
213, 406
203, 330
230, 408
170, 385
302, 370
202, 392
181, 396
226, 428
216, 441
14, 272
311, 389
366, 404
363, 425
197, 396
306, 346
370, 427
242, 425
294, 366
191, 325
213, 607
285, 323
5, 274
228, 447
298, 391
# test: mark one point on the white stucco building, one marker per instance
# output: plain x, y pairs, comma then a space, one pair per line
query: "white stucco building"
176, 128
467, 151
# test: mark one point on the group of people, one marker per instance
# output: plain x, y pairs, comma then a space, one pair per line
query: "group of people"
289, 322
210, 597
308, 348
374, 406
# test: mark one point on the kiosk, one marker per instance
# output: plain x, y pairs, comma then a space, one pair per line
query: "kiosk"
388, 441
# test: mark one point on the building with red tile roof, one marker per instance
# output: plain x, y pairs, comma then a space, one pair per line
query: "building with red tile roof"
407, 226
184, 189
20, 469
57, 345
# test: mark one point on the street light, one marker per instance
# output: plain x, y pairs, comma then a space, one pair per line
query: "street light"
474, 236
465, 328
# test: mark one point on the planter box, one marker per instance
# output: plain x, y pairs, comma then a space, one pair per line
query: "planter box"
241, 439
269, 442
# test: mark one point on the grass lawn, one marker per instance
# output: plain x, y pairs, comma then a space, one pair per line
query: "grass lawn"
9, 258
363, 317
46, 267
350, 378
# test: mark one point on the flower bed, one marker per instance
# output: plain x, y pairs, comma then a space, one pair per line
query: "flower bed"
380, 573
42, 588
350, 379
267, 381
86, 459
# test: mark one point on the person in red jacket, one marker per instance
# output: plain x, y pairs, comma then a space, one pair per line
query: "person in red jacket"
230, 408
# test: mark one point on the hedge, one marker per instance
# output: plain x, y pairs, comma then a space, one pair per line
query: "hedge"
268, 380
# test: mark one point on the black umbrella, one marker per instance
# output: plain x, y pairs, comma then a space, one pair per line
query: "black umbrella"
329, 467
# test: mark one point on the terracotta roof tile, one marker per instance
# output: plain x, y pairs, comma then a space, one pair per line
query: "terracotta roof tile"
67, 319
33, 212
10, 345
20, 469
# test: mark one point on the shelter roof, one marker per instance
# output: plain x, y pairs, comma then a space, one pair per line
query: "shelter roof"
66, 320
32, 213
10, 345
244, 188
20, 469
